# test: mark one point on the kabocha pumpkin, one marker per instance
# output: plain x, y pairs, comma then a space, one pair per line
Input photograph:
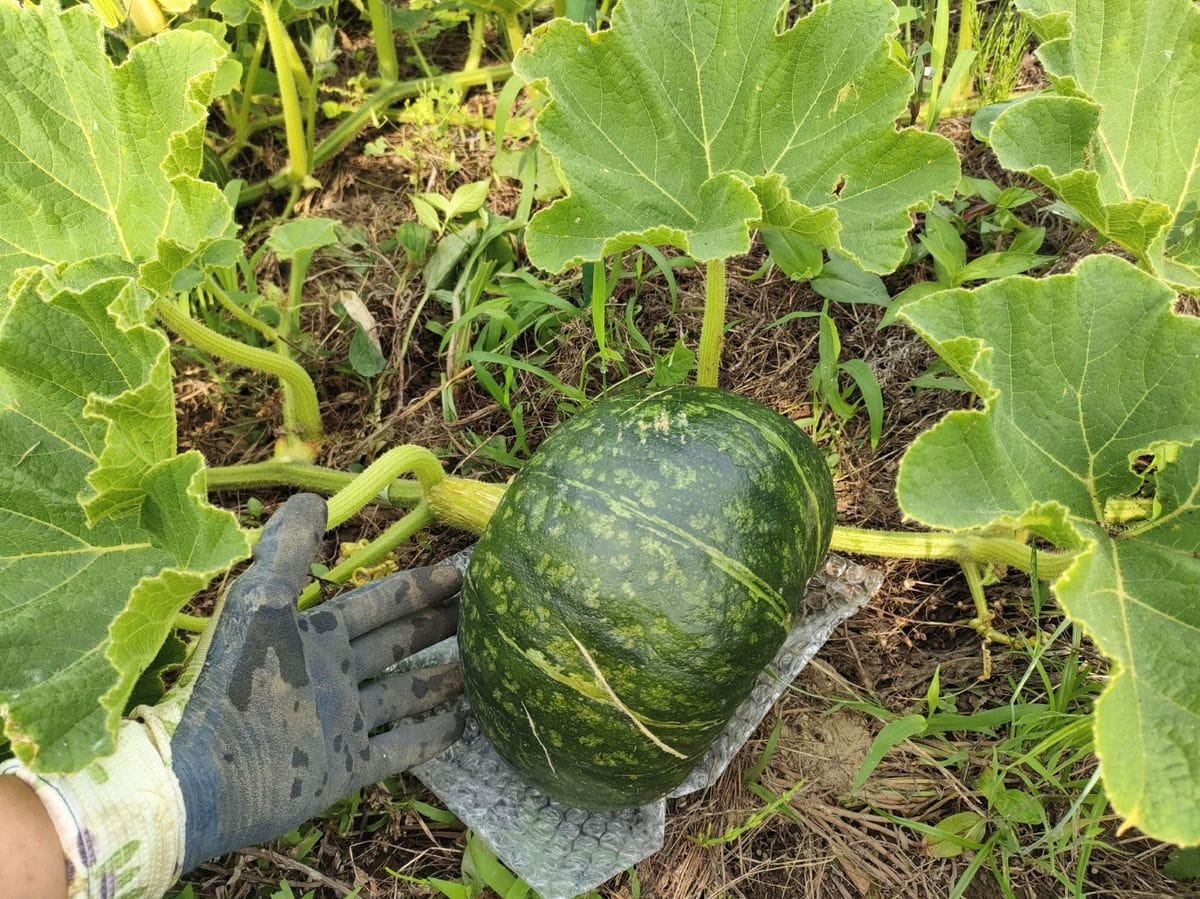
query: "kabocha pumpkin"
634, 581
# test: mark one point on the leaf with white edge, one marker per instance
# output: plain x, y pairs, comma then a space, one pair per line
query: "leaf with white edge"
100, 159
1119, 137
689, 124
1085, 377
104, 530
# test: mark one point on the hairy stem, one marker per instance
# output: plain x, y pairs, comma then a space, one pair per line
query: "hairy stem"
951, 547
475, 51
270, 121
385, 44
465, 503
380, 474
371, 554
419, 55
226, 301
294, 378
982, 622
712, 331
193, 624
400, 492
241, 122
514, 32
293, 114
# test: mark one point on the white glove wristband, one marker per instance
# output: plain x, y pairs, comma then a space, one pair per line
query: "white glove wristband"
120, 820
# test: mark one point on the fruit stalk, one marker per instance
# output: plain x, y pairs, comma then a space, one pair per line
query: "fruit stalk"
465, 503
712, 330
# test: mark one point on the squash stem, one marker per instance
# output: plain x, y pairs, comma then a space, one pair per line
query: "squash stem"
380, 474
241, 120
514, 32
193, 624
465, 503
369, 555
282, 52
295, 380
475, 51
982, 622
226, 301
712, 330
385, 41
401, 492
951, 547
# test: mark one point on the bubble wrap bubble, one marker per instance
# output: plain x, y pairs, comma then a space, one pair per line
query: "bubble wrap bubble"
562, 852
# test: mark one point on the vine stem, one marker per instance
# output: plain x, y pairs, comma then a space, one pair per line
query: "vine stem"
226, 301
712, 331
380, 474
469, 504
514, 32
960, 548
371, 554
277, 473
295, 379
475, 51
385, 43
982, 622
193, 624
293, 115
241, 121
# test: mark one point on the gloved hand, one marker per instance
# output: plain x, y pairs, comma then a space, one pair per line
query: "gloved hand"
272, 723
278, 725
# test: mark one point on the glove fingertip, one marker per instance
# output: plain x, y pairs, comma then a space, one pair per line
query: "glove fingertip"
282, 556
460, 560
409, 745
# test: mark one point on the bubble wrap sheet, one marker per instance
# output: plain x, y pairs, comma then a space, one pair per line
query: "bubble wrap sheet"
562, 852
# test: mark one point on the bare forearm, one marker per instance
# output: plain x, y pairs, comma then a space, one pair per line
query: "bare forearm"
31, 859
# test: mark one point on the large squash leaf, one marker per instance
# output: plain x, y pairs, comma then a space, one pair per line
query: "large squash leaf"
690, 123
100, 160
1085, 379
104, 530
87, 424
1119, 137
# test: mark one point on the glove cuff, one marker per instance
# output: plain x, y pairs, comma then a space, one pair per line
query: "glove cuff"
120, 820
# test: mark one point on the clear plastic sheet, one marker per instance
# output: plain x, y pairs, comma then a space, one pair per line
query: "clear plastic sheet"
562, 852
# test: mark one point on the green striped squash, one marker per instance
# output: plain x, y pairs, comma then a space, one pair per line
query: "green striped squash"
636, 578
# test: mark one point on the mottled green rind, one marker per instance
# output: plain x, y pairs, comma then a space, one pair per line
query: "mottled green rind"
669, 537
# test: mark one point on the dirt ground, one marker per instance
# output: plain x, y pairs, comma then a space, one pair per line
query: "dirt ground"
836, 845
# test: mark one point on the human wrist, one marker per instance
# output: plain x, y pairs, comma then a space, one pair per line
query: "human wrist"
119, 821
31, 859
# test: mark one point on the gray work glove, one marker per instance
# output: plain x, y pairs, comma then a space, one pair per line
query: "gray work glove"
271, 722
293, 710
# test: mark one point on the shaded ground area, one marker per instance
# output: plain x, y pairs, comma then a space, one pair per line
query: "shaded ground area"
832, 842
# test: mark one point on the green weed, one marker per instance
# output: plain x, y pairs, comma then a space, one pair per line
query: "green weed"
1002, 40
1035, 803
981, 212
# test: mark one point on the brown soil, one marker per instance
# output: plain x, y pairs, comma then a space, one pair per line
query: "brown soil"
833, 845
